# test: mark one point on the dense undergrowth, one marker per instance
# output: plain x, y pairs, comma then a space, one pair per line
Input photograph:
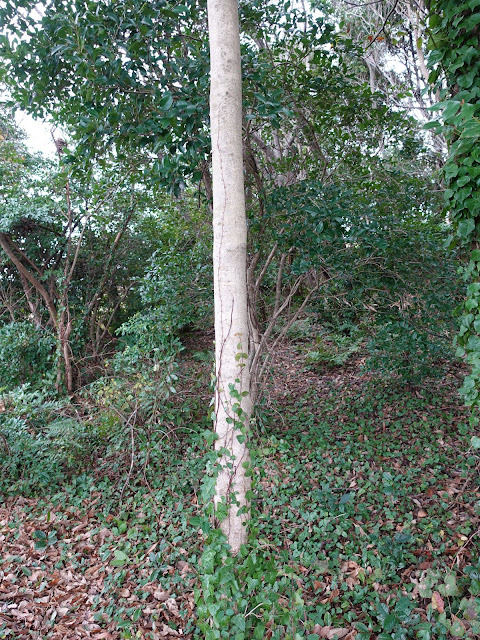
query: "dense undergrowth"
365, 520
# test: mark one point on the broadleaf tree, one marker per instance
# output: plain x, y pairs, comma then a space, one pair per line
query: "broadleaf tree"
233, 405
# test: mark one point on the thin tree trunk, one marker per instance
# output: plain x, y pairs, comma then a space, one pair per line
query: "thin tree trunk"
6, 245
27, 288
64, 331
232, 396
61, 324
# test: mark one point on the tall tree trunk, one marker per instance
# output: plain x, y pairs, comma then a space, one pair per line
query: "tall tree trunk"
233, 404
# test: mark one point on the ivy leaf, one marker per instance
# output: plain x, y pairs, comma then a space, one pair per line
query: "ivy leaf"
180, 8
475, 442
466, 112
437, 602
451, 109
390, 623
347, 497
471, 129
475, 255
434, 124
450, 587
120, 558
40, 538
457, 629
465, 228
461, 182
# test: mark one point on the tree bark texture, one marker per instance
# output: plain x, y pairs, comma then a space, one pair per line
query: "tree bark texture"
229, 265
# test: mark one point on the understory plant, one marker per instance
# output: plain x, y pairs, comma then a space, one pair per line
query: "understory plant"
33, 352
42, 441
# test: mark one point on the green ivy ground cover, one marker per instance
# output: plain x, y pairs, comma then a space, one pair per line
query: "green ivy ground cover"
365, 524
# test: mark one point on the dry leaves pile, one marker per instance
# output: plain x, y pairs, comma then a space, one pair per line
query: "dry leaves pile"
59, 591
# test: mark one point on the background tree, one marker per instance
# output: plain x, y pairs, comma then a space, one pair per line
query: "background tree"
62, 241
308, 124
391, 44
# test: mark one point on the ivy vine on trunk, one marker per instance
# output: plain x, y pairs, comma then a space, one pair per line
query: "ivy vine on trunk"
455, 63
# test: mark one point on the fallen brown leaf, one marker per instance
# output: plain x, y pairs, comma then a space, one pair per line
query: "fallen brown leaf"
437, 602
330, 633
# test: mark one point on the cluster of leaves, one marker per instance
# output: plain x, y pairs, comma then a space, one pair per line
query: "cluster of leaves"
134, 393
78, 56
335, 349
380, 266
455, 59
82, 254
380, 529
128, 411
139, 555
178, 280
42, 442
33, 351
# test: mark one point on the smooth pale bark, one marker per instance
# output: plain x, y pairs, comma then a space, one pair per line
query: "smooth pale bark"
229, 266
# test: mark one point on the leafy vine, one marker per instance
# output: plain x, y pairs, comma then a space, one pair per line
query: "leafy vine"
455, 73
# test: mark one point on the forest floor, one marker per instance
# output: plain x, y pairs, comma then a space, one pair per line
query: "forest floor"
367, 510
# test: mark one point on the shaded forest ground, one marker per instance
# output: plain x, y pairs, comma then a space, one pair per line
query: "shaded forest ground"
366, 520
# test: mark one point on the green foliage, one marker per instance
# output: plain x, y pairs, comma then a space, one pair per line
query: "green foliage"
335, 349
178, 281
43, 441
33, 352
332, 202
241, 597
145, 338
356, 457
376, 255
80, 275
337, 537
407, 282
382, 267
75, 60
133, 398
455, 60
40, 443
398, 351
336, 541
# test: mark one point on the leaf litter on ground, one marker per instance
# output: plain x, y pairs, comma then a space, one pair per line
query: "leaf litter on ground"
367, 502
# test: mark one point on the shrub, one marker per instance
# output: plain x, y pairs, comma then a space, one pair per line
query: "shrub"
39, 442
179, 278
335, 349
399, 350
32, 350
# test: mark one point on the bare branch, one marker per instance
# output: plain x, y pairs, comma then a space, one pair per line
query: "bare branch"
9, 248
390, 13
266, 265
